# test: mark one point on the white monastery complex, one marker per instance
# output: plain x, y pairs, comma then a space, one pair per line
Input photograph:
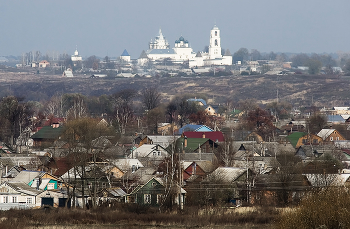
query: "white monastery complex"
159, 49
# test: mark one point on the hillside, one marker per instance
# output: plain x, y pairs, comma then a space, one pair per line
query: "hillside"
297, 89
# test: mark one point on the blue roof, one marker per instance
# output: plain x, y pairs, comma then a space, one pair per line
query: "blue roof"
125, 53
335, 118
197, 128
162, 51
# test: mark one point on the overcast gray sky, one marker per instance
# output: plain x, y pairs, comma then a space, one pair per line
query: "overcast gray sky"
107, 27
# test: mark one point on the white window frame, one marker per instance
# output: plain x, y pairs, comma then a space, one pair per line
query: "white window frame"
29, 200
159, 198
147, 198
50, 186
5, 199
14, 199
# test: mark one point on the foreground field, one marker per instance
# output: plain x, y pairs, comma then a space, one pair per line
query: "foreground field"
148, 218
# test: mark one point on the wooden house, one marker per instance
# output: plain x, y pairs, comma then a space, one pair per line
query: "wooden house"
196, 169
298, 139
153, 193
47, 135
330, 135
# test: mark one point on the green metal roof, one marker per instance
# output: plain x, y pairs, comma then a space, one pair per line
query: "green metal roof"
48, 132
192, 143
294, 137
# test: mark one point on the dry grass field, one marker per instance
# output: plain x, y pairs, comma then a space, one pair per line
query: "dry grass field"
121, 217
302, 90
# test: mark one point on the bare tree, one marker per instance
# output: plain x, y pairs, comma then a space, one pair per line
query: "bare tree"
85, 139
150, 98
123, 111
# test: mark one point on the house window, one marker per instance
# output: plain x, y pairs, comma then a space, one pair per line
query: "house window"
216, 33
159, 153
147, 198
337, 138
159, 198
5, 199
14, 199
50, 186
304, 141
216, 42
29, 200
315, 141
154, 154
331, 138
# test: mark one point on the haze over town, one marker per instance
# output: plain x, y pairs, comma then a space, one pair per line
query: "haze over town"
109, 27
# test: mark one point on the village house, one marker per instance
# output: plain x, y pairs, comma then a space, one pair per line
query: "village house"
330, 135
154, 193
47, 135
44, 64
298, 139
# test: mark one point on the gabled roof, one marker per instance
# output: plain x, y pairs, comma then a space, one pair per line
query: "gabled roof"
161, 140
226, 174
22, 188
154, 179
273, 182
340, 179
26, 176
206, 166
141, 176
146, 149
197, 100
321, 180
227, 53
314, 151
117, 192
192, 127
59, 165
125, 53
198, 157
127, 163
294, 137
324, 133
48, 132
193, 143
4, 148
143, 55
215, 136
335, 118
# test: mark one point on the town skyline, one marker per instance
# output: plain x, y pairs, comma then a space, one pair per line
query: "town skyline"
308, 27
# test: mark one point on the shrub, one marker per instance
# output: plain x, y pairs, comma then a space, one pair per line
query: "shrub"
328, 208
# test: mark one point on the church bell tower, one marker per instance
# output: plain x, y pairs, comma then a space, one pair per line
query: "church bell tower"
215, 43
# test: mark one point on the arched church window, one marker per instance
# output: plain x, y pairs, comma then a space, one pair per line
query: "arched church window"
216, 42
216, 33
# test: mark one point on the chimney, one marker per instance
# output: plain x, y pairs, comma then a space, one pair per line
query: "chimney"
203, 135
55, 125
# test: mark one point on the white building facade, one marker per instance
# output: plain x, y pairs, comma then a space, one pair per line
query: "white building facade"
159, 50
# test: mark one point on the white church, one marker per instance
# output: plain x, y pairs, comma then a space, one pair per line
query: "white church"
159, 49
